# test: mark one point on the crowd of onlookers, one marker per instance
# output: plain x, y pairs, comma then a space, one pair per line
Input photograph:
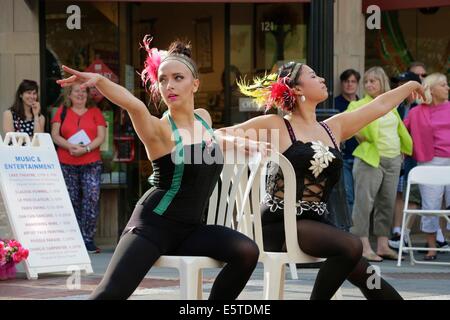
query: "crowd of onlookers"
378, 159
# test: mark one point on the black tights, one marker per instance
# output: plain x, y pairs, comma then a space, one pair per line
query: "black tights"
344, 259
135, 255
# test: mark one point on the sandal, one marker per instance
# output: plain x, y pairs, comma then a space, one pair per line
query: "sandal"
390, 256
430, 258
372, 257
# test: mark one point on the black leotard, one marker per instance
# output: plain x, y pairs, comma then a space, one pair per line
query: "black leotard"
182, 182
313, 186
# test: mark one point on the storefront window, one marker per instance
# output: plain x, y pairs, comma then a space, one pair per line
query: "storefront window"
85, 36
410, 35
263, 37
90, 46
202, 25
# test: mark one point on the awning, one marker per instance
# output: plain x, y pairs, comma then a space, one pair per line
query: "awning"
403, 4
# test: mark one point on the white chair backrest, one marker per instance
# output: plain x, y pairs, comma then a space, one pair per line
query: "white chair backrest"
248, 200
255, 189
434, 175
17, 139
223, 199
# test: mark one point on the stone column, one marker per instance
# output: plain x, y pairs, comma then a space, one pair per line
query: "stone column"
19, 48
349, 39
19, 59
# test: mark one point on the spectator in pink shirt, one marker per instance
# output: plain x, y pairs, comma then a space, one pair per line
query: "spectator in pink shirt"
429, 124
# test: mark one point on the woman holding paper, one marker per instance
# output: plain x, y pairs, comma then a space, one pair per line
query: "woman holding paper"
78, 129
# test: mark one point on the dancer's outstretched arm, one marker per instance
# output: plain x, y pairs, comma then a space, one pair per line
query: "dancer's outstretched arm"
252, 135
347, 124
257, 128
147, 126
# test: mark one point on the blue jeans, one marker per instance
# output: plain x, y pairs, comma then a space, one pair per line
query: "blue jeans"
348, 181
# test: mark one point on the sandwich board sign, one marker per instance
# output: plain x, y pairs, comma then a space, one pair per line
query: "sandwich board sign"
38, 205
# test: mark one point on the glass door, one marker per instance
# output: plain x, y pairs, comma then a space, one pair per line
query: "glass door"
262, 38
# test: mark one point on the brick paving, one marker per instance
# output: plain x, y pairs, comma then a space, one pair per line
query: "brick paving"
418, 282
55, 286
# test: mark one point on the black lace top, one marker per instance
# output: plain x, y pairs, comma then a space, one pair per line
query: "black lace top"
317, 169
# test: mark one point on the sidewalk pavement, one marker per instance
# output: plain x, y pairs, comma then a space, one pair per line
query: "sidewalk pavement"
418, 282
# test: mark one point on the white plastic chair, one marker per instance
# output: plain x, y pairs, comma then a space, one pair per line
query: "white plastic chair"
249, 216
432, 175
220, 212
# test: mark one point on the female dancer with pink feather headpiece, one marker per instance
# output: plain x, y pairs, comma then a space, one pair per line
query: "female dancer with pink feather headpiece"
169, 220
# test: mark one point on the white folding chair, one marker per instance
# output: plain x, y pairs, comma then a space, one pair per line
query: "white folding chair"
249, 216
432, 175
220, 212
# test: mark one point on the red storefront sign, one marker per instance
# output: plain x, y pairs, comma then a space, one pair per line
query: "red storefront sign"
98, 66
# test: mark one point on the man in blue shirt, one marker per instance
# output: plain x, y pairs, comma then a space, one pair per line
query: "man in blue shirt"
349, 85
409, 103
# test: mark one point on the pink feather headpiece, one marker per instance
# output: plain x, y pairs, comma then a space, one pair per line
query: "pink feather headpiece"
282, 95
149, 75
272, 90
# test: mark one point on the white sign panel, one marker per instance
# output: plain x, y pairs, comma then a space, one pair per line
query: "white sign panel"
249, 105
38, 205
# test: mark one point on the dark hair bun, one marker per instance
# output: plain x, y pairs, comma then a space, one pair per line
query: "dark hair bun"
285, 71
181, 47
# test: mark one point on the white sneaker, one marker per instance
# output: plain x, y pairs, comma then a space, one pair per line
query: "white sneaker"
394, 242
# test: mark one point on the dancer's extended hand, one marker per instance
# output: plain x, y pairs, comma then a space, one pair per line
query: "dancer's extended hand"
252, 147
87, 79
418, 93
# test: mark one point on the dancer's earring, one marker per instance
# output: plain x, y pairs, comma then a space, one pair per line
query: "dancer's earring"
302, 98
